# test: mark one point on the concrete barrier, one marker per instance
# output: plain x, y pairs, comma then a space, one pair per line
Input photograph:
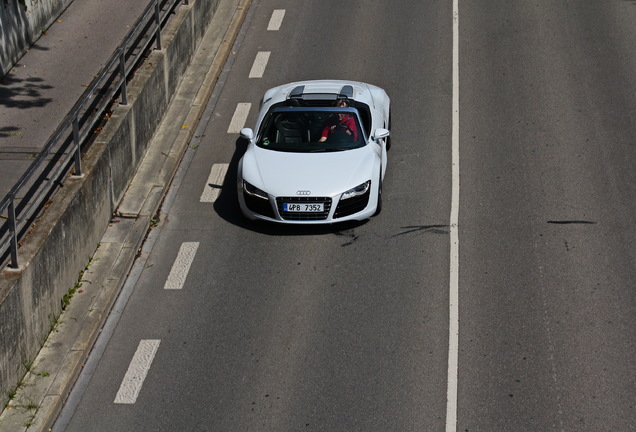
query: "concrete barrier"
62, 241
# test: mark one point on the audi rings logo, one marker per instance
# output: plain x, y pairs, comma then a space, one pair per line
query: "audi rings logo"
303, 192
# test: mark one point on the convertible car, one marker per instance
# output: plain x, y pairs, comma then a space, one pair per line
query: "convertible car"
317, 154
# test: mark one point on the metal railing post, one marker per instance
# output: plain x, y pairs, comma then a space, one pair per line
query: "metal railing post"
122, 71
78, 148
158, 21
14, 235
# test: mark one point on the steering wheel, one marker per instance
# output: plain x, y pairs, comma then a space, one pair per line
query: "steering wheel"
345, 128
341, 133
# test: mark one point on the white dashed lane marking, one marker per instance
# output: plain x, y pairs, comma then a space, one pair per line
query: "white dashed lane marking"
214, 184
239, 118
276, 20
137, 371
260, 62
181, 266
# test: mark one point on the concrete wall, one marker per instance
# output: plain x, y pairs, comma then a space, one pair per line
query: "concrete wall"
64, 239
21, 24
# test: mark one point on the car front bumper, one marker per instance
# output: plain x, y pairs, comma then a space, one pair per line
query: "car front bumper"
334, 209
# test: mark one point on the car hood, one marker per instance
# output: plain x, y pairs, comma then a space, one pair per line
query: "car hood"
322, 174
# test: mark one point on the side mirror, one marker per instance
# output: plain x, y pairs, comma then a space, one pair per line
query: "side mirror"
380, 133
247, 133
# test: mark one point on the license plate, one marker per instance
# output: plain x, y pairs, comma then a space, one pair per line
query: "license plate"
304, 207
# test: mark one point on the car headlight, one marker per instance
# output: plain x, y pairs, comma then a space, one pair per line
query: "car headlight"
356, 191
254, 191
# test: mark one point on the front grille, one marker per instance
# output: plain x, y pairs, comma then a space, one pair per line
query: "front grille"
305, 200
352, 205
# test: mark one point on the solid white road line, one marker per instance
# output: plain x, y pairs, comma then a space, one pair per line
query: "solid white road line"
214, 184
137, 371
181, 266
276, 20
260, 62
453, 329
239, 118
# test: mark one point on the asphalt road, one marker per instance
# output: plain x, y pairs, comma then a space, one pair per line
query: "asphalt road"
346, 328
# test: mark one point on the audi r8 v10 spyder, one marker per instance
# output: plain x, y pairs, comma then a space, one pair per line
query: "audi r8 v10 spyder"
318, 153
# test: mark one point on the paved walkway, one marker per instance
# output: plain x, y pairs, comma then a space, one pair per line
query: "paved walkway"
43, 86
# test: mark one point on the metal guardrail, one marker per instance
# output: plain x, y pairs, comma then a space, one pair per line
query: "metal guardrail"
29, 196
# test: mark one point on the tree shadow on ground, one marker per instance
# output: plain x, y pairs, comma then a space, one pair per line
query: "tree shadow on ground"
23, 93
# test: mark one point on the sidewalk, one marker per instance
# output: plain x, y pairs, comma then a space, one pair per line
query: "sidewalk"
47, 81
46, 92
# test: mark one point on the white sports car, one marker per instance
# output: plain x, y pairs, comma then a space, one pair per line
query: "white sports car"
317, 154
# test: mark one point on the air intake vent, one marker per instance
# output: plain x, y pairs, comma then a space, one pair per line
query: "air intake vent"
352, 205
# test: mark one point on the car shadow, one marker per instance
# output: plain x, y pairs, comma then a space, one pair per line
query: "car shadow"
227, 207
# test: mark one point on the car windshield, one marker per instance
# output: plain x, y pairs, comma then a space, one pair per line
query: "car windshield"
311, 130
